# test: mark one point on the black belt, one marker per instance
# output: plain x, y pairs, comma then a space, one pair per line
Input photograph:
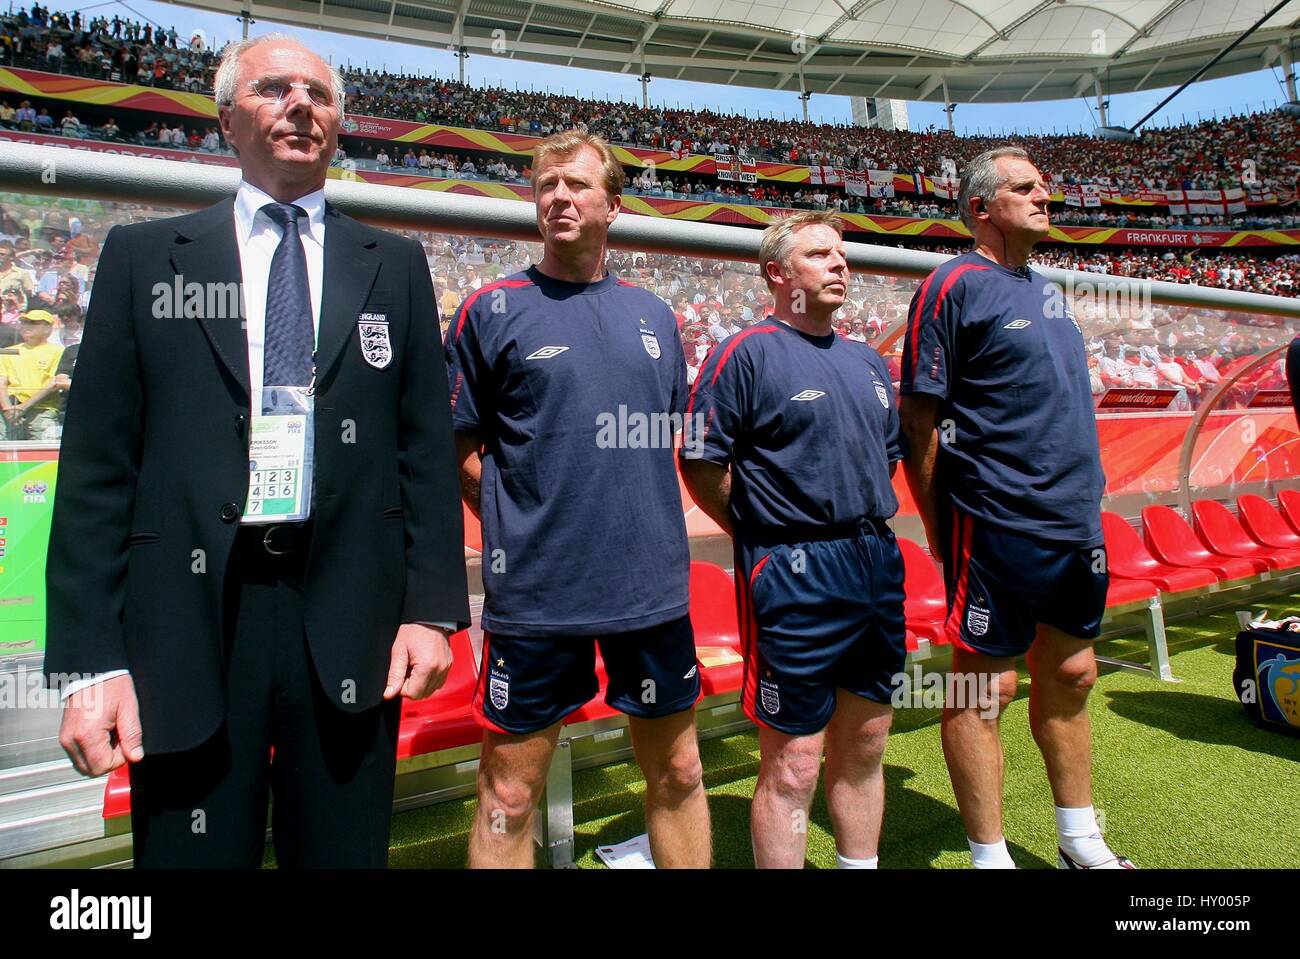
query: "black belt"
276, 539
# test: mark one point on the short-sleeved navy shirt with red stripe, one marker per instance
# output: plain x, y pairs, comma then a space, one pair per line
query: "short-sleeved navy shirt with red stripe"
808, 425
1001, 349
570, 386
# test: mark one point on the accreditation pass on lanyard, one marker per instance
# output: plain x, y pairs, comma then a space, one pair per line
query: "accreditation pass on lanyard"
280, 455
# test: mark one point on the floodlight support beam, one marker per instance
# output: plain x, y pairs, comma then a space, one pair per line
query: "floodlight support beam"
1217, 57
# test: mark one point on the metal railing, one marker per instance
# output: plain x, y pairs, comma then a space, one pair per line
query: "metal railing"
1202, 415
53, 171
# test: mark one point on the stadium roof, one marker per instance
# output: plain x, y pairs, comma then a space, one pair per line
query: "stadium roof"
987, 51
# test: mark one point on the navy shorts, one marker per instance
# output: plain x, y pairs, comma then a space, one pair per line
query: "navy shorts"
815, 617
528, 683
1001, 586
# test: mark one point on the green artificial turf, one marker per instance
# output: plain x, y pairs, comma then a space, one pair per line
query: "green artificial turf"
1182, 779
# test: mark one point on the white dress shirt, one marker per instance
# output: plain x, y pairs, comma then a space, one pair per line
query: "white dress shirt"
256, 238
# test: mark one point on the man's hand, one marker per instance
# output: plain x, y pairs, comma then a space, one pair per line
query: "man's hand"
420, 662
101, 727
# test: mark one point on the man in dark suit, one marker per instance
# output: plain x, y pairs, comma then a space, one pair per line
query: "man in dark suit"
221, 656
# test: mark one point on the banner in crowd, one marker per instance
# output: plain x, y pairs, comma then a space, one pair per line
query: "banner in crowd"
124, 149
1271, 399
1213, 202
945, 186
1113, 196
1130, 398
882, 183
872, 183
1202, 239
103, 93
1082, 194
26, 506
721, 212
735, 169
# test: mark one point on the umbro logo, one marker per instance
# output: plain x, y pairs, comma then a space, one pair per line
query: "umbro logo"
546, 352
694, 670
1017, 325
808, 395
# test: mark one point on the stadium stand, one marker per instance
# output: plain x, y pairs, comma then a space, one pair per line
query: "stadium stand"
1187, 351
1207, 156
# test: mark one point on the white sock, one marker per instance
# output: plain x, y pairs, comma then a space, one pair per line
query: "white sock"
1080, 836
844, 862
992, 855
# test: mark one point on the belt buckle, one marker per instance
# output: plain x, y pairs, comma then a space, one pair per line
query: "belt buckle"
266, 541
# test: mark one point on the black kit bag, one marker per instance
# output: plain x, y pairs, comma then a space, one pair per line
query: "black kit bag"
1267, 674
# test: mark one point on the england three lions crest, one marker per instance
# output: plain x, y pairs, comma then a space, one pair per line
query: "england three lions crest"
651, 345
499, 692
375, 344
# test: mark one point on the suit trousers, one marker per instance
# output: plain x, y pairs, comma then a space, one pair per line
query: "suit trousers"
329, 773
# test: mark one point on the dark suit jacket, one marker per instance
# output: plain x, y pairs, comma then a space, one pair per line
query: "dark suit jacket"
154, 468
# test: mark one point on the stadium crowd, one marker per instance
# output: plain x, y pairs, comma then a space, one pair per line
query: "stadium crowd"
1207, 155
48, 257
127, 51
1260, 150
175, 135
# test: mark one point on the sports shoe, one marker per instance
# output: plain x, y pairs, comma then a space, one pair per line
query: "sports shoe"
1116, 862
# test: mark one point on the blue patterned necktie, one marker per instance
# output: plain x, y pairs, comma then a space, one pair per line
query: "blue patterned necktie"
290, 333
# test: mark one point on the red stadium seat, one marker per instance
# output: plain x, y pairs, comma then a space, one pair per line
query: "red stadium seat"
117, 794
717, 629
1265, 524
713, 606
446, 719
1172, 541
926, 606
1128, 558
1121, 592
1288, 501
722, 670
1223, 534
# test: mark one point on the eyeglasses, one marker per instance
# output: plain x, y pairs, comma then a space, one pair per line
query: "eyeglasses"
276, 90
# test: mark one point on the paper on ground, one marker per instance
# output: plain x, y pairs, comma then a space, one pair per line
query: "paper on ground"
633, 854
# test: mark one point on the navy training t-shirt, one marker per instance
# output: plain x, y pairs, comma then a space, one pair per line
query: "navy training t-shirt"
807, 423
1003, 352
571, 387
